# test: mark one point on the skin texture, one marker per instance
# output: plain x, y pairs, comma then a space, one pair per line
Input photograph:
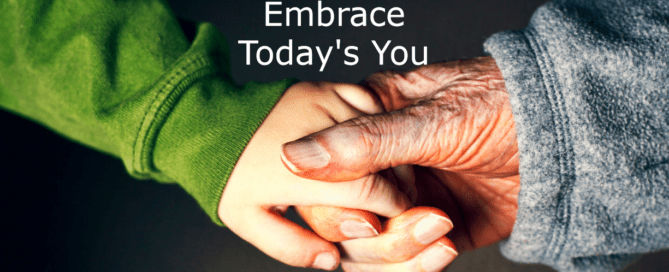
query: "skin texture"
257, 215
468, 141
453, 121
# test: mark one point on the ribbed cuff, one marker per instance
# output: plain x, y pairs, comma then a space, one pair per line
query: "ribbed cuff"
199, 122
545, 146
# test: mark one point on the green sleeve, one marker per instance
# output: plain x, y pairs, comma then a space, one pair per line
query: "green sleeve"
121, 77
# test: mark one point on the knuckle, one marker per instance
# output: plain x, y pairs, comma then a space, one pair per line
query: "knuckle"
364, 133
366, 125
374, 130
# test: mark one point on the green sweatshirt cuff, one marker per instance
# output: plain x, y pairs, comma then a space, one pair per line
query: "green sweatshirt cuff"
121, 77
199, 122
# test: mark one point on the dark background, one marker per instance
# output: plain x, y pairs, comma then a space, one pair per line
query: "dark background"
69, 208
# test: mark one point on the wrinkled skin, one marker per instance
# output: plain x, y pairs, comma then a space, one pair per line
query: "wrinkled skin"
453, 121
467, 140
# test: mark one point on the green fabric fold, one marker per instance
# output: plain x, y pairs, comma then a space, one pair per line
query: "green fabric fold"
121, 77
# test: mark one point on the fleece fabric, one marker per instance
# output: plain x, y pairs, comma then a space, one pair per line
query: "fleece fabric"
589, 87
122, 77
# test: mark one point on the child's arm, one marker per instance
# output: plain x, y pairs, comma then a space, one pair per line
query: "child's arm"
123, 78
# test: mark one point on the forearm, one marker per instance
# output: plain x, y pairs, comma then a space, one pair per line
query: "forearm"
588, 88
123, 78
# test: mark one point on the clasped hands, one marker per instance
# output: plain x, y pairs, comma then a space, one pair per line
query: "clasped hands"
432, 150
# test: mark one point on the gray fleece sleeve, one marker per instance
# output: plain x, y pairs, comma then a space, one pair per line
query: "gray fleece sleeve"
589, 87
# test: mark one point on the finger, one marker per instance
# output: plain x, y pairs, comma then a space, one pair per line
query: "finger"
403, 237
368, 144
337, 224
373, 193
330, 96
434, 258
287, 242
359, 98
397, 90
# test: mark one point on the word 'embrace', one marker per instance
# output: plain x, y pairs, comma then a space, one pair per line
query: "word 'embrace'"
358, 19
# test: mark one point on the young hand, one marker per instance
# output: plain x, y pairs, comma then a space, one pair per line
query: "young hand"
261, 189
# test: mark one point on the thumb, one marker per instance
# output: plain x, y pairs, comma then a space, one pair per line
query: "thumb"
368, 144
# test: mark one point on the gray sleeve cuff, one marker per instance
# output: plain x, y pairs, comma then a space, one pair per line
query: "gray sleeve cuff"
587, 84
545, 148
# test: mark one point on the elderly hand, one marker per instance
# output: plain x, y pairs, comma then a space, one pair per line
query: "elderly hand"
454, 119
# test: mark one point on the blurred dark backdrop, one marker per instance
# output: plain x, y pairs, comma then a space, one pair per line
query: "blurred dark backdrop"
69, 208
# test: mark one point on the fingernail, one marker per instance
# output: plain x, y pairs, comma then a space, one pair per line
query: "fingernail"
431, 228
325, 261
304, 154
437, 257
357, 229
